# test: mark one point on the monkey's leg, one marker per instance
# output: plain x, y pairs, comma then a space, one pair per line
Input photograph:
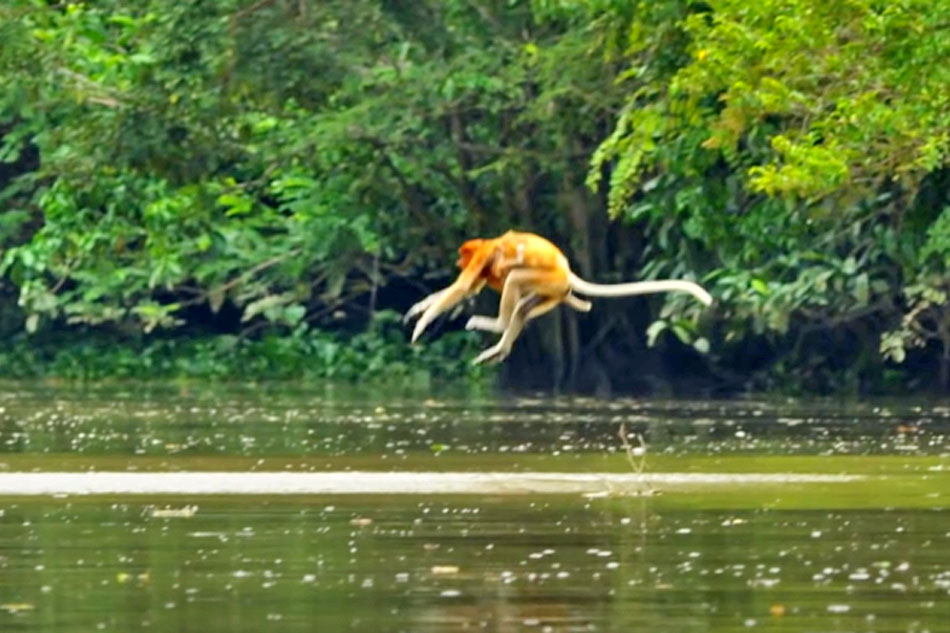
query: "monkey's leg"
528, 308
518, 283
510, 296
493, 324
485, 323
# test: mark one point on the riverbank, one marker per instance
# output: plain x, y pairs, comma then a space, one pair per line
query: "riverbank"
312, 355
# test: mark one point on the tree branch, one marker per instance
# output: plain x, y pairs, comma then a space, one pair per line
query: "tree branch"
257, 6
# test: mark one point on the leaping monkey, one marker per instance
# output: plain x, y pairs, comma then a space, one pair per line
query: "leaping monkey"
533, 276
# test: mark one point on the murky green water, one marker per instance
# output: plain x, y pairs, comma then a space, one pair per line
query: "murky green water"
871, 553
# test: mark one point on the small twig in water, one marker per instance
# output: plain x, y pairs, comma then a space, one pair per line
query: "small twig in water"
636, 455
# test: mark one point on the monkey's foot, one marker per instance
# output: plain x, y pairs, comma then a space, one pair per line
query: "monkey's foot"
577, 303
494, 354
487, 324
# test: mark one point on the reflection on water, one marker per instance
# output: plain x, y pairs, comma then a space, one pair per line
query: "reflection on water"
262, 422
868, 555
454, 564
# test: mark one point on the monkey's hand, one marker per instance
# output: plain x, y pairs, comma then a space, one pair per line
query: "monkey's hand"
414, 311
420, 307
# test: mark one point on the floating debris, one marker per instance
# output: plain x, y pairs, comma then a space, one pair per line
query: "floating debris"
174, 513
445, 570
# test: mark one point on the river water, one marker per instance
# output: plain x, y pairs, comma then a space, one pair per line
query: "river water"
276, 508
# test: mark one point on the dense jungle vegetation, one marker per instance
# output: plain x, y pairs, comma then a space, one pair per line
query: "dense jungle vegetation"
257, 188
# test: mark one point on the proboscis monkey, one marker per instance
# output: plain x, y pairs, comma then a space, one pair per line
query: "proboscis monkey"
483, 262
534, 277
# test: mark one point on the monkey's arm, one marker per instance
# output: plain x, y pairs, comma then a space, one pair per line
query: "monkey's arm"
432, 298
469, 281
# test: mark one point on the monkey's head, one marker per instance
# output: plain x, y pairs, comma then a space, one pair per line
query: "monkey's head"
467, 251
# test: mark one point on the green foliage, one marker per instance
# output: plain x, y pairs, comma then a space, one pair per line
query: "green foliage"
278, 156
379, 354
169, 183
788, 150
289, 163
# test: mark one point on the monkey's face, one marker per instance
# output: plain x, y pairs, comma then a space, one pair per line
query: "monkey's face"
467, 251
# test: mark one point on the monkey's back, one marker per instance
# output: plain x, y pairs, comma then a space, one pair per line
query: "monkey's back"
530, 252
533, 250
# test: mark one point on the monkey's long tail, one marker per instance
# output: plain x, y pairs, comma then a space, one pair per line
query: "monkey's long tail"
639, 288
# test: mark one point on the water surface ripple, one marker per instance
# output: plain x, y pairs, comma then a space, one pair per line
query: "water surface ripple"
276, 508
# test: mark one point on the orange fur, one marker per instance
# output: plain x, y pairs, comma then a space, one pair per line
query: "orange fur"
533, 277
503, 254
492, 277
